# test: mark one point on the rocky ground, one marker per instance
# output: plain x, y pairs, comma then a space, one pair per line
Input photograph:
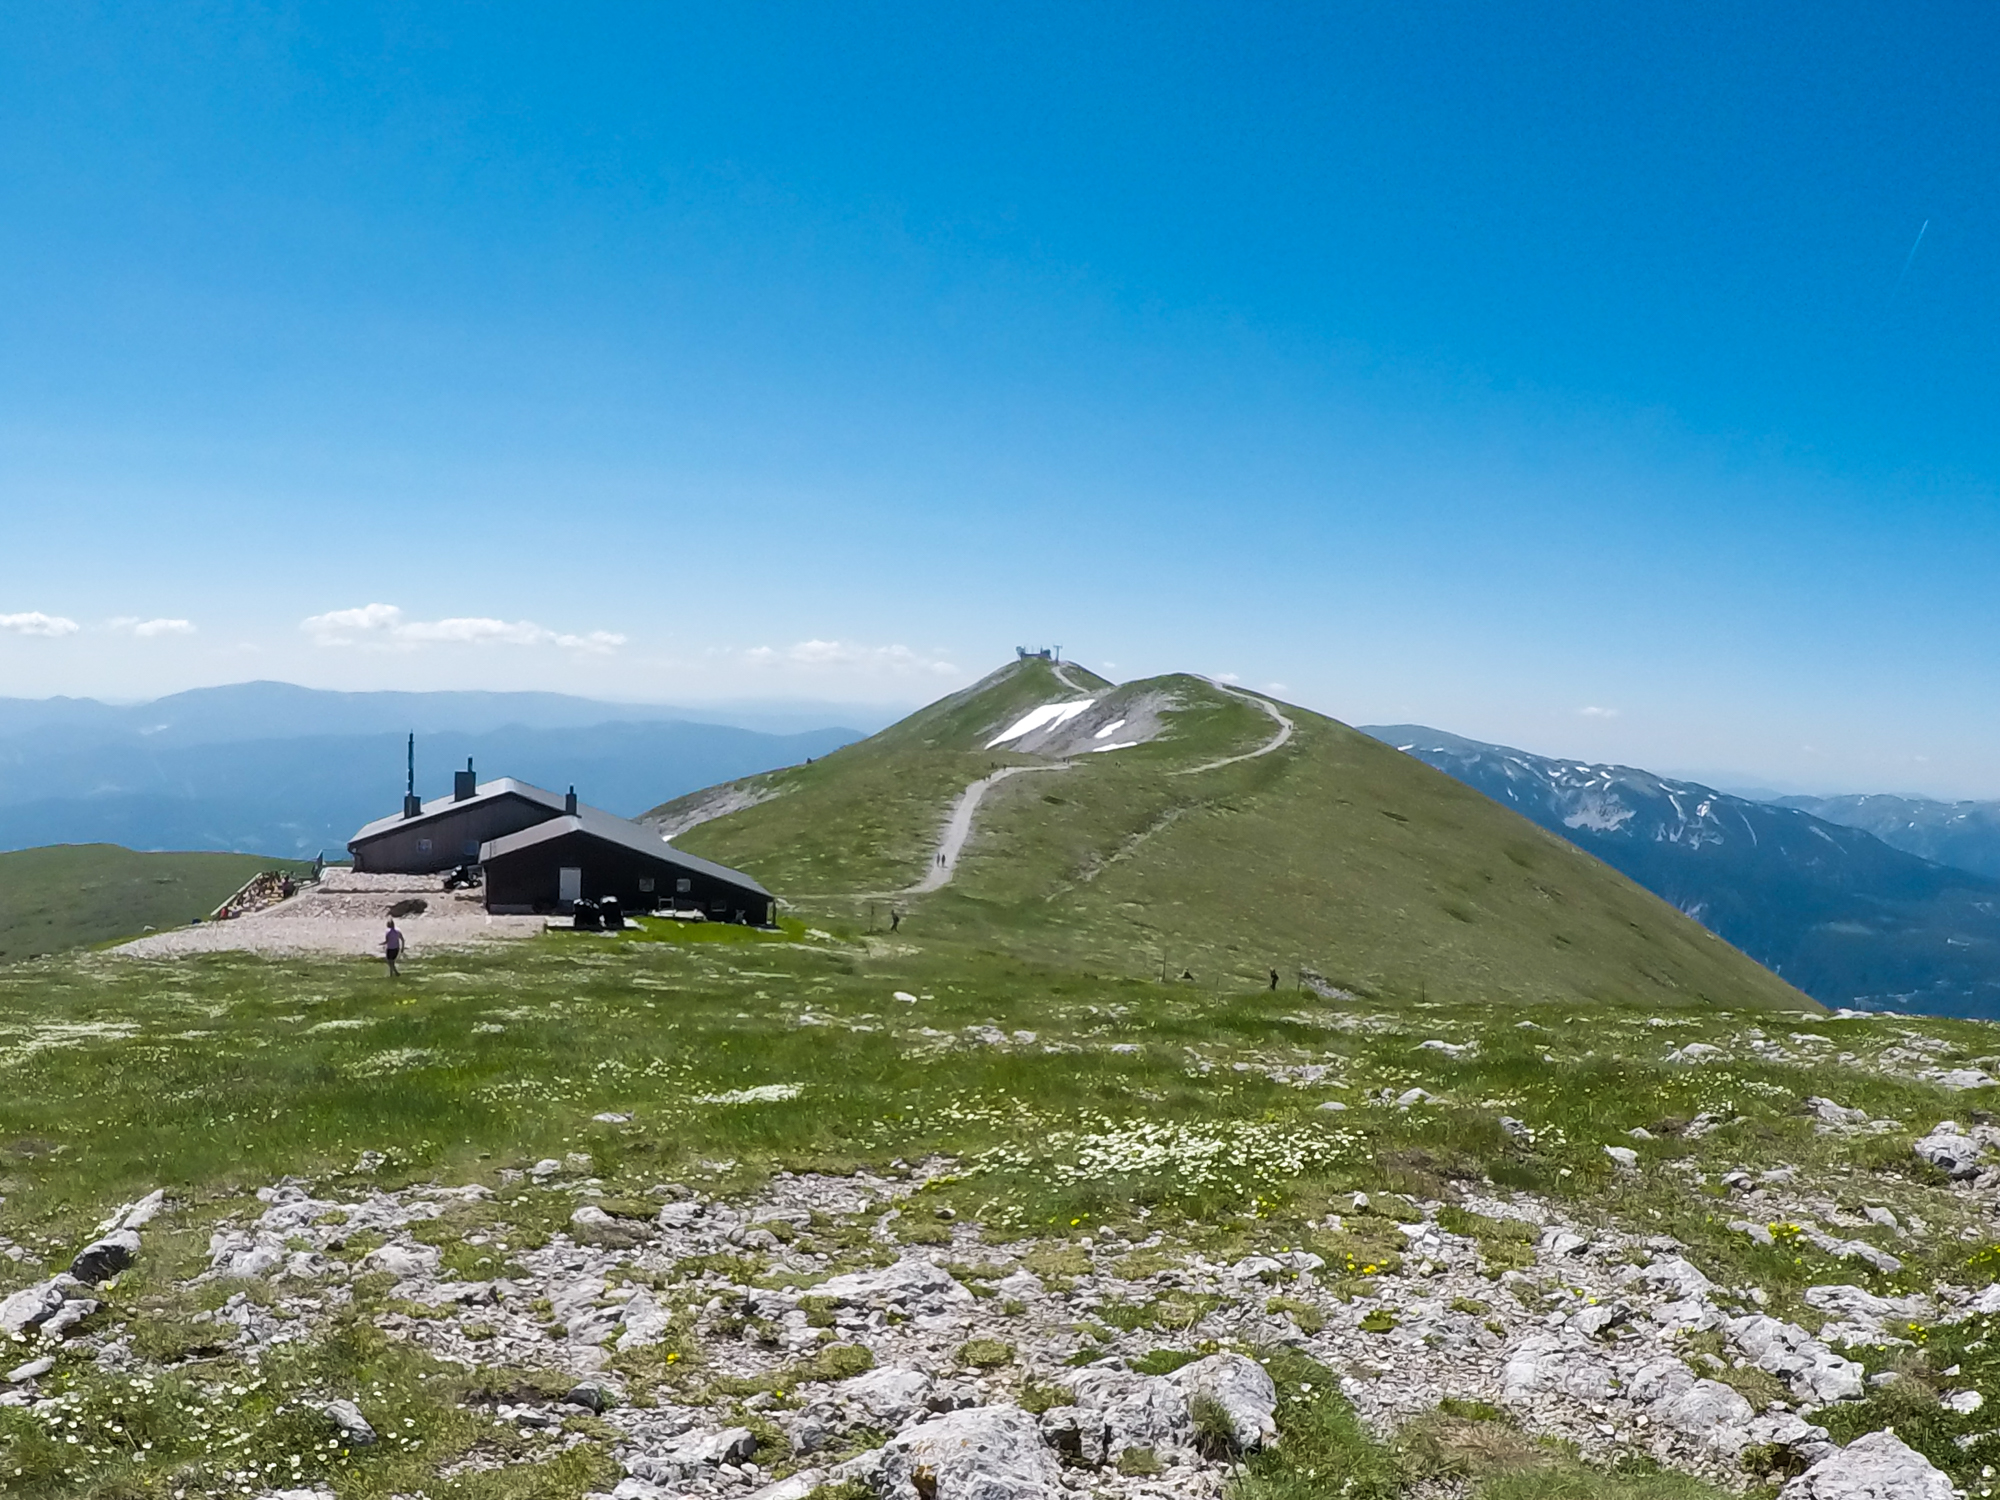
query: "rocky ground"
345, 914
719, 1356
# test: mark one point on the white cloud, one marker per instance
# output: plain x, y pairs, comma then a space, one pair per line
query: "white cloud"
1594, 712
822, 656
148, 629
384, 627
34, 622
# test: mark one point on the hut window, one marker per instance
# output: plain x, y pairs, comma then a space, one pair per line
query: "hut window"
646, 883
423, 846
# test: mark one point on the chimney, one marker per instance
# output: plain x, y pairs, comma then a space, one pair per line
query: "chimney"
569, 802
412, 803
462, 783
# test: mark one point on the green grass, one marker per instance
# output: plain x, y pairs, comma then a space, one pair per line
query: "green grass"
1324, 1451
73, 895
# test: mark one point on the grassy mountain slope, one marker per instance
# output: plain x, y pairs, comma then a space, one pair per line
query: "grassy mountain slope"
72, 895
1333, 854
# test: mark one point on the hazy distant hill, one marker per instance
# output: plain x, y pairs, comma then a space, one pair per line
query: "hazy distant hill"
1965, 834
1837, 911
275, 769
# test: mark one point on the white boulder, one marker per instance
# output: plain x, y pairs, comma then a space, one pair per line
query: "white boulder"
981, 1453
1876, 1466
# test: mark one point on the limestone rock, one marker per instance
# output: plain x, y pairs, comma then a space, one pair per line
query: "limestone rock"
591, 1225
694, 1451
30, 1307
1830, 1113
642, 1322
1813, 1371
982, 1453
103, 1259
353, 1426
1950, 1150
66, 1317
913, 1284
890, 1396
1876, 1466
403, 1261
1241, 1388
1115, 1409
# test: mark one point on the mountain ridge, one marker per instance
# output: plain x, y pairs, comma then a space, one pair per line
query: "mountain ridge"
1185, 853
1847, 917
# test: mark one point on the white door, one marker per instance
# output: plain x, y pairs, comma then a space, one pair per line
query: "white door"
569, 884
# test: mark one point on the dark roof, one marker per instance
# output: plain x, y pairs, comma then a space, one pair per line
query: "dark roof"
615, 830
487, 791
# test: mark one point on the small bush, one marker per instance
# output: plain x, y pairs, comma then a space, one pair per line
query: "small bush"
1377, 1320
1138, 1463
985, 1354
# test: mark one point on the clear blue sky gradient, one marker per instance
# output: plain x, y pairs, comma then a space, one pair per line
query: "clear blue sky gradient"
1472, 364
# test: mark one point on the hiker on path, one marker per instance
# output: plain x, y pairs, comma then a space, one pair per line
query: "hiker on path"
392, 946
1274, 979
895, 919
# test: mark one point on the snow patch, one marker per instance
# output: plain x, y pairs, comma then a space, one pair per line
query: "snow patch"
1048, 716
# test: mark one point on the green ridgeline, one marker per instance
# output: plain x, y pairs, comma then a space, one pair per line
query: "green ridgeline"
1333, 855
72, 895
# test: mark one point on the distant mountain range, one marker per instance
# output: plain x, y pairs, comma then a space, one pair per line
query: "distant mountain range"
270, 768
1965, 834
1835, 909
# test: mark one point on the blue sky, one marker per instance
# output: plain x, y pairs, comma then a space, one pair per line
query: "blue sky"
1539, 373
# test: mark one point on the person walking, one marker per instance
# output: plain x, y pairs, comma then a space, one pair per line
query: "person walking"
392, 946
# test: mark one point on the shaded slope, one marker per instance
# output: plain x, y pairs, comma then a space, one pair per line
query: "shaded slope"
1836, 911
76, 894
1332, 854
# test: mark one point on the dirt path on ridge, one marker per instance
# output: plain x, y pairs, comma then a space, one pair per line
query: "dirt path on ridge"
958, 828
1284, 733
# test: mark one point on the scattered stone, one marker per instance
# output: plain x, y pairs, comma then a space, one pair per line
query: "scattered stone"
643, 1321
135, 1215
1957, 1079
403, 1261
592, 1398
66, 1317
1965, 1403
1694, 1052
912, 1283
1814, 1372
34, 1369
1623, 1157
103, 1259
1950, 1150
1241, 1389
354, 1427
591, 1225
1829, 1113
30, 1307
